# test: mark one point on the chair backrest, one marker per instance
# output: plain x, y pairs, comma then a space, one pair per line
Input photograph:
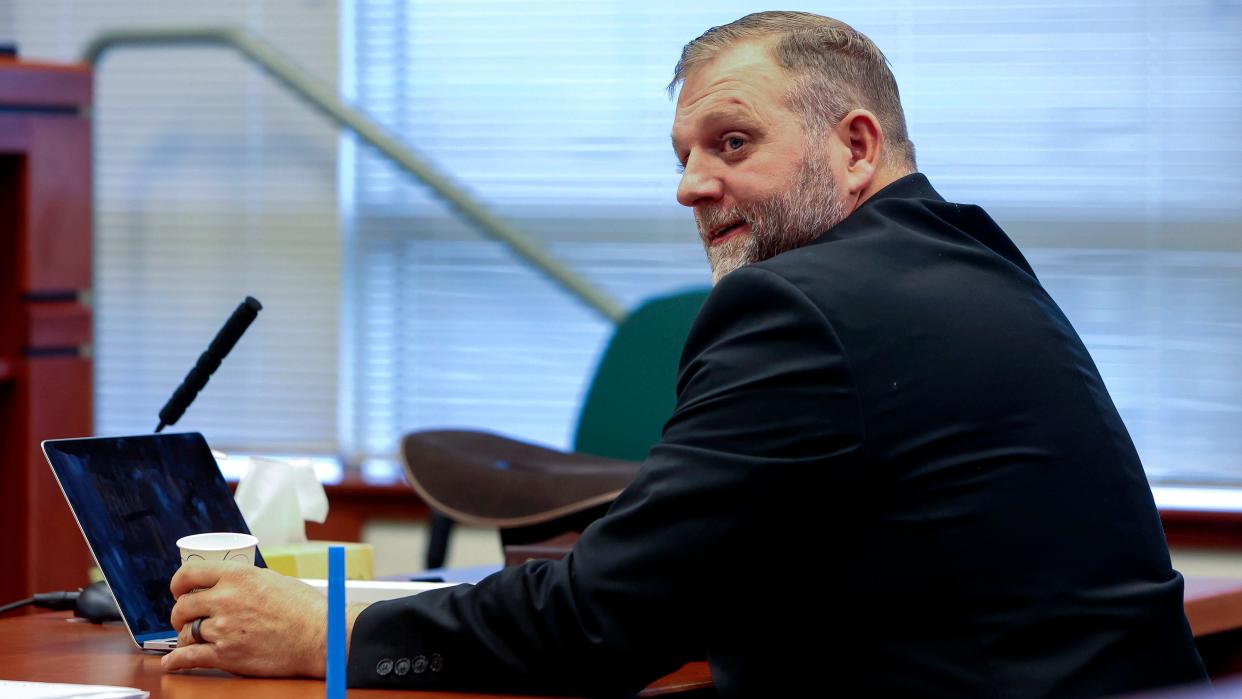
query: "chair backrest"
634, 389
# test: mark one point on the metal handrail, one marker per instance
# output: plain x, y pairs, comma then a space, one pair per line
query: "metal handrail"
326, 101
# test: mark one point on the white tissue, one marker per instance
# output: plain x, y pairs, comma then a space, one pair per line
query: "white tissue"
277, 497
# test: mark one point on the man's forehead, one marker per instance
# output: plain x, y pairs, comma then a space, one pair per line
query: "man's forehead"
743, 81
749, 63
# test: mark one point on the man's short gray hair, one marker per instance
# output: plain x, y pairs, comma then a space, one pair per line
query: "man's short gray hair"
835, 67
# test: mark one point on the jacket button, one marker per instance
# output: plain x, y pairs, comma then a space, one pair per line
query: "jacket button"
401, 667
383, 667
420, 664
437, 662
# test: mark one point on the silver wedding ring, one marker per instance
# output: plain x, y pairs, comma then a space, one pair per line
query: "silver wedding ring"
196, 630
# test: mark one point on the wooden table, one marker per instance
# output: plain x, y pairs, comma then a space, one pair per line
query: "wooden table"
53, 647
1213, 605
1214, 610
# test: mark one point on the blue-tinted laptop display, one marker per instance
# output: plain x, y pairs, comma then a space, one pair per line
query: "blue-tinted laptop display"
133, 498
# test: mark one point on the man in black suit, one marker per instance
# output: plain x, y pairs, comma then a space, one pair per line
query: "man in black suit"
893, 469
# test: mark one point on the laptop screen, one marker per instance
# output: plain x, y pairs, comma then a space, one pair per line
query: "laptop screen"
133, 498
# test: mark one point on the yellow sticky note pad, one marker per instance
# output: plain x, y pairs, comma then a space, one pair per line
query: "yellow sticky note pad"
310, 559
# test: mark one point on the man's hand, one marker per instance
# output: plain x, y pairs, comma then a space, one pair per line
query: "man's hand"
255, 622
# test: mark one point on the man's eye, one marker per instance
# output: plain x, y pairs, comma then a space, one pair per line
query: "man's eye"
734, 143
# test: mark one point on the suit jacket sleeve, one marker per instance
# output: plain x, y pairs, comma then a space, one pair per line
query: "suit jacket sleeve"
766, 417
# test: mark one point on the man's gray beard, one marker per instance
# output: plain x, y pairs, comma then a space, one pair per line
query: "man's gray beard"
789, 219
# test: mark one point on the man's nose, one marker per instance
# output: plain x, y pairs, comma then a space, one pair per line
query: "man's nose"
700, 183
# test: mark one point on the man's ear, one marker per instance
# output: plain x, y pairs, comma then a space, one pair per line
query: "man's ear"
861, 142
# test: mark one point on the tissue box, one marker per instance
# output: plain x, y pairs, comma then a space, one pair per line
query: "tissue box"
309, 559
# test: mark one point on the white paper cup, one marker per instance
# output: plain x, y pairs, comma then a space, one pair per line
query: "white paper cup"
218, 546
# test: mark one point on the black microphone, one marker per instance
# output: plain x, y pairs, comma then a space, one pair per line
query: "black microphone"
209, 361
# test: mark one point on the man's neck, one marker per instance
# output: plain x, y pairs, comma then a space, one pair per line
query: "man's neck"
883, 178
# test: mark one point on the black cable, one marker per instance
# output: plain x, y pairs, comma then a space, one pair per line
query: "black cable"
16, 605
45, 600
56, 600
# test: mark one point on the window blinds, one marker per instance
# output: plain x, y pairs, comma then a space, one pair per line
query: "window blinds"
211, 183
1103, 135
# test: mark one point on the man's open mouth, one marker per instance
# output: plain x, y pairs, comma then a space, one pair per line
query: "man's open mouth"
724, 231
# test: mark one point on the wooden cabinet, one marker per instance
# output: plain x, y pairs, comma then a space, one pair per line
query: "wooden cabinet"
45, 319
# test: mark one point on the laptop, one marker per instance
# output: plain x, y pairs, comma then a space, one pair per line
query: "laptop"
133, 497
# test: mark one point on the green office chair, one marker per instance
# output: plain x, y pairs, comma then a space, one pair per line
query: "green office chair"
532, 493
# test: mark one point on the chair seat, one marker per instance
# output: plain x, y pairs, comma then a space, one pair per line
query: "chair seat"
489, 480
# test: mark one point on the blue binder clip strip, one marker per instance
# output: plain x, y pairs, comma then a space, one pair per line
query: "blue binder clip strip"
336, 623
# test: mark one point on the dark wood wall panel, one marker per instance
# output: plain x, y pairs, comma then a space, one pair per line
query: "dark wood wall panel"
45, 319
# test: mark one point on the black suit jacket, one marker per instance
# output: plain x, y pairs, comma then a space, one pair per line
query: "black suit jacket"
893, 470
